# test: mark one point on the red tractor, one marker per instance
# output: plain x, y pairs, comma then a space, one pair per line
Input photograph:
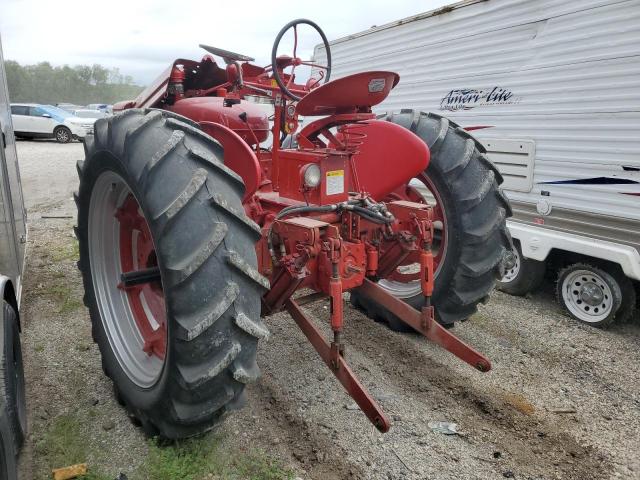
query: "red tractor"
191, 229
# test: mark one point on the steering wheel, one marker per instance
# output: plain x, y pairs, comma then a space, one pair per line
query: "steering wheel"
295, 61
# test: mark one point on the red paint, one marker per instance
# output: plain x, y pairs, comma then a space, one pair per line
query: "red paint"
238, 156
477, 127
332, 164
212, 109
386, 157
137, 252
339, 367
427, 326
361, 161
354, 93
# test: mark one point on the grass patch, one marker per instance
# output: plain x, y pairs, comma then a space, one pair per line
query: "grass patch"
63, 296
67, 251
63, 445
196, 459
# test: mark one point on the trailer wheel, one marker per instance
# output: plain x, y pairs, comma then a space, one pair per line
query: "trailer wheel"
472, 236
12, 388
521, 275
154, 198
594, 295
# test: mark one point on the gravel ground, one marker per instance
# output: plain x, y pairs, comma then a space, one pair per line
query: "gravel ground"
561, 402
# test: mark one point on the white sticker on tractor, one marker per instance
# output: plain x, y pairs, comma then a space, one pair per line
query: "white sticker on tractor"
376, 85
335, 182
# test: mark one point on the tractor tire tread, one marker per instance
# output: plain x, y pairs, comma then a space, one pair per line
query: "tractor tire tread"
200, 255
207, 260
469, 273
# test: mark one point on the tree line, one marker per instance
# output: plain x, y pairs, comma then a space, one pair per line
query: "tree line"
81, 84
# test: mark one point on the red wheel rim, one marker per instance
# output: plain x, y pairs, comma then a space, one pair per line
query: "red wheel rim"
146, 300
439, 246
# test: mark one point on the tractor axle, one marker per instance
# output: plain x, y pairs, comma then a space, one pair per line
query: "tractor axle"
139, 277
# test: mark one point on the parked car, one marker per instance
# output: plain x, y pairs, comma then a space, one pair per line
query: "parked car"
31, 120
103, 107
89, 113
13, 237
69, 107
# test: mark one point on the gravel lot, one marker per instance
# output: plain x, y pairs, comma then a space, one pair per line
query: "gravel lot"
561, 402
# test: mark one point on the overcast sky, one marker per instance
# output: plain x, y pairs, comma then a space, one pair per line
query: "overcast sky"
141, 37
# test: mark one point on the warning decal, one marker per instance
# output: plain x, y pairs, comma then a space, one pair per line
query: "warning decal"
335, 182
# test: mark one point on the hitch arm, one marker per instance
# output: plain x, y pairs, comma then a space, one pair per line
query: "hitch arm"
337, 364
426, 325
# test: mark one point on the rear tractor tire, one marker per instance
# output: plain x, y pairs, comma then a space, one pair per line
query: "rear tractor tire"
155, 196
473, 236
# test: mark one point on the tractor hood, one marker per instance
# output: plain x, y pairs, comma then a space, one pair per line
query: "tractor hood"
212, 109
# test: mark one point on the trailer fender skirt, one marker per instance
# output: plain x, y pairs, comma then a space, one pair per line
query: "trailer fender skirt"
536, 243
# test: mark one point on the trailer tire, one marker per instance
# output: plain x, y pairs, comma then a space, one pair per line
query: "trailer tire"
12, 387
596, 283
522, 275
616, 288
204, 246
629, 297
475, 210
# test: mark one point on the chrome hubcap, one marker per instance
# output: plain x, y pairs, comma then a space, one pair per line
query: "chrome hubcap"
587, 296
591, 294
511, 265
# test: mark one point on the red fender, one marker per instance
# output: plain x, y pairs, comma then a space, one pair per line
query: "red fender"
238, 156
387, 156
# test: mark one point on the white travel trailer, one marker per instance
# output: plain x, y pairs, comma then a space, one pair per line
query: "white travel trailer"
552, 89
13, 236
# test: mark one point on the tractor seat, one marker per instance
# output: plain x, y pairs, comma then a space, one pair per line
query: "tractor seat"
346, 94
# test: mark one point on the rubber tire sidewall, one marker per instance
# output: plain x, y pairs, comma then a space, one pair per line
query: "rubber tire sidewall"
13, 389
136, 396
629, 295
